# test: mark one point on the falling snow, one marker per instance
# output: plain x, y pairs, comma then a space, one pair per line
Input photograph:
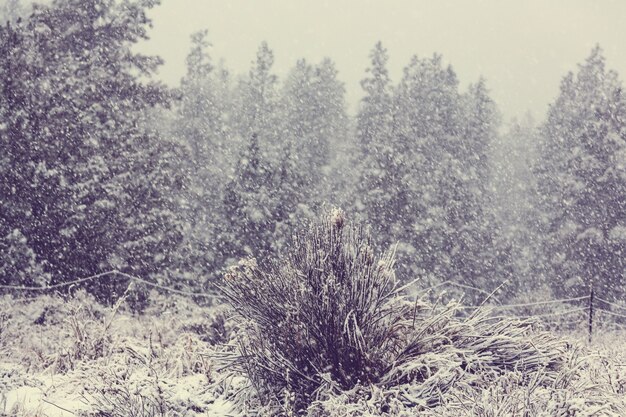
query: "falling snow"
243, 244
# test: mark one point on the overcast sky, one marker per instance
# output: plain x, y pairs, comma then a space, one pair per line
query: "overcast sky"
523, 48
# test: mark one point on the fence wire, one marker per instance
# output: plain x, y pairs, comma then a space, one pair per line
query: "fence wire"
498, 307
623, 316
115, 273
611, 304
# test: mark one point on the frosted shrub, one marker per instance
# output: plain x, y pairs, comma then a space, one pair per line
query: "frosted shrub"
325, 315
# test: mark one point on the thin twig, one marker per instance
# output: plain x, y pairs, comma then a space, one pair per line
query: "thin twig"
58, 406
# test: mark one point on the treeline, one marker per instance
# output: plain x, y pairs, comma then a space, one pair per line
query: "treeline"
102, 168
569, 221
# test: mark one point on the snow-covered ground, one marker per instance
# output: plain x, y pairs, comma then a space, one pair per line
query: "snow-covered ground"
67, 358
83, 358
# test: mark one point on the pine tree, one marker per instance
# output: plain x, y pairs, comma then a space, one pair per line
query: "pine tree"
582, 181
314, 121
375, 113
248, 210
290, 207
249, 207
329, 111
427, 121
202, 124
428, 101
481, 120
424, 176
87, 182
203, 114
256, 105
485, 251
378, 178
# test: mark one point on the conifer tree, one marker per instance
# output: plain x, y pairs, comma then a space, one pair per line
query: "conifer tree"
375, 113
515, 204
249, 207
248, 219
378, 181
424, 176
256, 105
582, 181
427, 121
87, 182
202, 124
314, 120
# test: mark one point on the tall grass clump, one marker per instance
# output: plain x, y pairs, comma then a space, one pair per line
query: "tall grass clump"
325, 314
327, 327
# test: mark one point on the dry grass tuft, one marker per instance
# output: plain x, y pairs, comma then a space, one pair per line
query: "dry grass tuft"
327, 314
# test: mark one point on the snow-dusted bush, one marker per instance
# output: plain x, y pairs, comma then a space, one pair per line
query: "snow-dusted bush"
327, 328
325, 315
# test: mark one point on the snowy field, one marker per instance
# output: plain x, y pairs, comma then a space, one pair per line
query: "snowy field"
63, 358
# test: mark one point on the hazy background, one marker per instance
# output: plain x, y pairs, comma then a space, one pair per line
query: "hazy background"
522, 48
